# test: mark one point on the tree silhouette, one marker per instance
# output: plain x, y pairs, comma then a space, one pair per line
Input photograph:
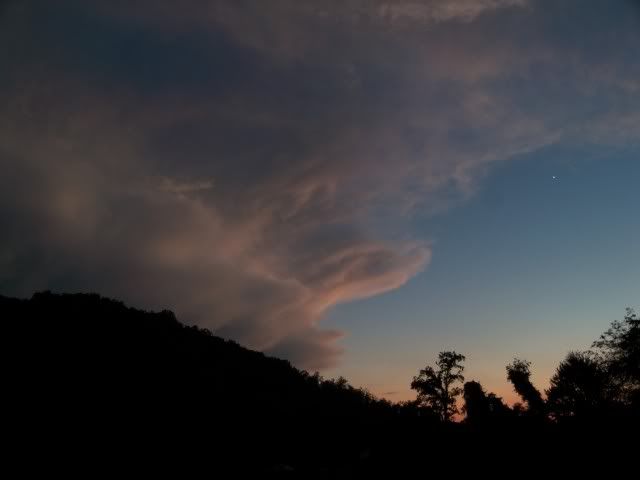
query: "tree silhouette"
108, 371
619, 349
476, 404
519, 374
578, 388
518, 409
436, 387
480, 407
496, 406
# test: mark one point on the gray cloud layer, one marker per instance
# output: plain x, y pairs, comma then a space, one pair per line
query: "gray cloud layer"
251, 164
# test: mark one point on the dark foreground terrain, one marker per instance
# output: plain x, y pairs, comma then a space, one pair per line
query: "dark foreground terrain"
91, 381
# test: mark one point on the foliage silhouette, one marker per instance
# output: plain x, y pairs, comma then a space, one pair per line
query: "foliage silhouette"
579, 387
619, 352
88, 378
97, 370
481, 408
476, 404
519, 374
436, 387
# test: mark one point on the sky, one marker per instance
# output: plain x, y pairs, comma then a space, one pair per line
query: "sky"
352, 185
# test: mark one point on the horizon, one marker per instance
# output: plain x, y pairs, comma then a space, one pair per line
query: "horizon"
350, 186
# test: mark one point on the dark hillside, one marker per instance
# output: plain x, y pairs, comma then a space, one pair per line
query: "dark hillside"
87, 378
95, 368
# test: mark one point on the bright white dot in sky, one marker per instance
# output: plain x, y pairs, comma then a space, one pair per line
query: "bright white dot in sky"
554, 177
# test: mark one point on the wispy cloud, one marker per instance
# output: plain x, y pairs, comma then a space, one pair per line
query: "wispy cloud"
437, 11
253, 164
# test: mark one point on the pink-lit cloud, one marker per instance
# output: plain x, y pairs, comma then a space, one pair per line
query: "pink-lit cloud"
252, 166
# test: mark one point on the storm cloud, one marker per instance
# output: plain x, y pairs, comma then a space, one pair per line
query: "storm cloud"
252, 164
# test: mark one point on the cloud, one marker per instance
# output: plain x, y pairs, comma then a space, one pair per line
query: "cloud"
174, 186
313, 348
437, 11
292, 28
252, 166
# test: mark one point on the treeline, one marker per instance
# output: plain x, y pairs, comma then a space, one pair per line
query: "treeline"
87, 377
601, 384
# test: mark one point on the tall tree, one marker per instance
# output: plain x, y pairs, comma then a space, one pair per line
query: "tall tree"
437, 388
519, 374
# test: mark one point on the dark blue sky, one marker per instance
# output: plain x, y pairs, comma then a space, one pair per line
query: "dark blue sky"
533, 266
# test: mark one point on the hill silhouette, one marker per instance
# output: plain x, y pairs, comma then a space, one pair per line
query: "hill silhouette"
91, 378
97, 369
